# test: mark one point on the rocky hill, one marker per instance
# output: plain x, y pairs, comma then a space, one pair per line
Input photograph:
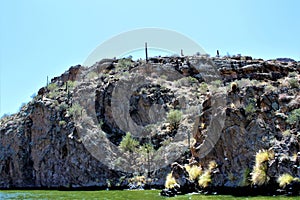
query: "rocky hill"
231, 120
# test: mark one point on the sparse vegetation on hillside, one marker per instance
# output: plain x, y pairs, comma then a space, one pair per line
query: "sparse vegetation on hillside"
52, 87
293, 83
124, 63
294, 117
174, 117
250, 108
75, 110
128, 144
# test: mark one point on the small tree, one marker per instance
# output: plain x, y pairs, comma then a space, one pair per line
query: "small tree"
174, 117
128, 143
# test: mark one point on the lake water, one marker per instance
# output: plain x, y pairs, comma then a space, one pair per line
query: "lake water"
116, 195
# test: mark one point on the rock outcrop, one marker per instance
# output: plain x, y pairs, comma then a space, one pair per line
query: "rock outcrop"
257, 101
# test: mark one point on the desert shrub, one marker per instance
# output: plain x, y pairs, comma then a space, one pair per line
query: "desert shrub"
52, 87
71, 84
138, 180
62, 123
217, 83
259, 174
292, 74
63, 106
294, 117
164, 77
286, 179
250, 108
174, 117
186, 81
246, 82
146, 148
128, 143
286, 133
270, 88
203, 88
192, 80
205, 179
124, 63
53, 94
170, 181
246, 178
194, 171
293, 82
212, 165
91, 75
75, 110
261, 156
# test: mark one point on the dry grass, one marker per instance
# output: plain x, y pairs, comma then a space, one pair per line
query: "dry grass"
212, 165
263, 156
194, 171
170, 181
259, 174
284, 180
205, 179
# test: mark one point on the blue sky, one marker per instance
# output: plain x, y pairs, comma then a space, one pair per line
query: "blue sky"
40, 38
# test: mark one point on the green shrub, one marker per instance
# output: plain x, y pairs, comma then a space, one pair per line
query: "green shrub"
147, 148
174, 117
52, 87
250, 108
217, 83
75, 110
203, 88
124, 63
246, 178
293, 82
294, 117
128, 143
292, 74
53, 94
286, 133
63, 106
62, 123
71, 84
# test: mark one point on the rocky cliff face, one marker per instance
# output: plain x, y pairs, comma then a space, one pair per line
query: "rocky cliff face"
44, 145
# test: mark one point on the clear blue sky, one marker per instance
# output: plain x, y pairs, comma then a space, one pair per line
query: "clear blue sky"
40, 38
